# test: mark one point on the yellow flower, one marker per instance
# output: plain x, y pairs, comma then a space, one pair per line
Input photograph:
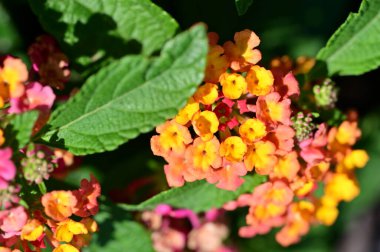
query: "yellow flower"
233, 148
67, 229
205, 124
252, 130
66, 248
2, 139
355, 159
233, 85
348, 133
206, 94
261, 156
338, 181
13, 73
327, 212
32, 230
173, 137
259, 80
287, 166
186, 114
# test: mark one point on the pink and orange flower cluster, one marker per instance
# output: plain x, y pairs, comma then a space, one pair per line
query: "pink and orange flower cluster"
31, 220
246, 118
241, 119
49, 222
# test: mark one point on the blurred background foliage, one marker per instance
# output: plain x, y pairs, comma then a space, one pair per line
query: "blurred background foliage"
294, 28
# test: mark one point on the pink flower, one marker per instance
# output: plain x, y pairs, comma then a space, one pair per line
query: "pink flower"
7, 168
286, 86
12, 221
36, 97
313, 150
229, 176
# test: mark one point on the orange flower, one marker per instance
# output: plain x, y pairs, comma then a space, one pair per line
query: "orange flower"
173, 138
12, 75
298, 223
241, 53
287, 167
259, 80
270, 109
59, 205
217, 63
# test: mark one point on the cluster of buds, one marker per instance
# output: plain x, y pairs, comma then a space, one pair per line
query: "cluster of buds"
183, 230
247, 118
48, 221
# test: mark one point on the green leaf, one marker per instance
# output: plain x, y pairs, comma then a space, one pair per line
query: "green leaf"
118, 233
98, 28
242, 6
198, 196
130, 96
354, 47
19, 131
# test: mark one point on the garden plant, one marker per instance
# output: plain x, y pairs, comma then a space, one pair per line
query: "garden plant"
138, 125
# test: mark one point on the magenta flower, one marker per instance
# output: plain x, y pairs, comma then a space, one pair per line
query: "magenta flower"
7, 168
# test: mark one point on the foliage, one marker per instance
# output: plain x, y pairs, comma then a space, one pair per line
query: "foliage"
353, 48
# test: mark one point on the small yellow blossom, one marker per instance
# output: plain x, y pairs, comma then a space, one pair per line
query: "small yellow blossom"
252, 130
206, 94
259, 80
327, 214
205, 124
348, 133
355, 159
66, 248
233, 85
2, 139
67, 229
233, 148
32, 230
261, 156
186, 114
173, 138
338, 181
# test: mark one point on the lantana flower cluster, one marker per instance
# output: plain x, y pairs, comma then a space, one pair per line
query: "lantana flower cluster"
183, 229
30, 218
49, 221
245, 119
